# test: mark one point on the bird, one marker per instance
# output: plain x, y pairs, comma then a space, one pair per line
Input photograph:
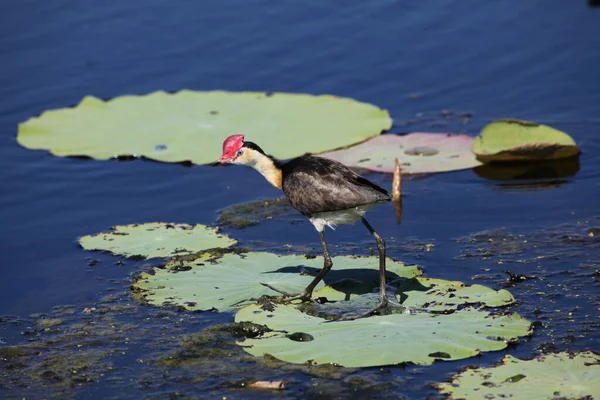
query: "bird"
325, 191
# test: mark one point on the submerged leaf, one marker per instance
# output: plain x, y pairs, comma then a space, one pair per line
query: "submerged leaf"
252, 213
204, 284
417, 153
419, 338
514, 140
561, 375
156, 239
191, 125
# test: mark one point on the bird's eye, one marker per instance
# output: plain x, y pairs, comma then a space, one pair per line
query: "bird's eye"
239, 152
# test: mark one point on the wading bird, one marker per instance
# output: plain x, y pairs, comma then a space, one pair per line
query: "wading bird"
325, 191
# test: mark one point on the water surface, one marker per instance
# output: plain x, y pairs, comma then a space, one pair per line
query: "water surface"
534, 60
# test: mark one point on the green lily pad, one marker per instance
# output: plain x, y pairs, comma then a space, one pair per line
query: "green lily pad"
203, 284
438, 294
156, 239
417, 153
514, 140
191, 125
434, 294
561, 375
419, 338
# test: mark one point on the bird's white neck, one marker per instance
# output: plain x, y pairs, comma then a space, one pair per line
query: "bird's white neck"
266, 166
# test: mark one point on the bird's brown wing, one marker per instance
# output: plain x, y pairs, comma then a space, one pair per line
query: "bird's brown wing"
315, 184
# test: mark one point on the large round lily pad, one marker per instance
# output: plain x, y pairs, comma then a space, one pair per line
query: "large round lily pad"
156, 239
417, 153
514, 140
551, 376
191, 125
223, 283
419, 338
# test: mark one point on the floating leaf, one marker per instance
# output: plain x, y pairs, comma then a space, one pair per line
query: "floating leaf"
202, 285
435, 294
249, 214
191, 125
439, 294
156, 239
419, 338
417, 153
514, 140
561, 375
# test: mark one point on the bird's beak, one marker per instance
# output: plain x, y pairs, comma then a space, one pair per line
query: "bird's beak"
221, 161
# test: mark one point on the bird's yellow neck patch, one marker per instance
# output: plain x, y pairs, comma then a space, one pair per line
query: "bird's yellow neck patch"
265, 166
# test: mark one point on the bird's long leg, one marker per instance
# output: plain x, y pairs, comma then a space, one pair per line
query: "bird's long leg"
381, 249
383, 301
306, 294
327, 264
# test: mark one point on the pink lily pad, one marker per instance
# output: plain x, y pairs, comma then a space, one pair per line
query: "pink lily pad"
418, 153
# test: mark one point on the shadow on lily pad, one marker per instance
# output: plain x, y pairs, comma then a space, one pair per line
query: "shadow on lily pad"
230, 281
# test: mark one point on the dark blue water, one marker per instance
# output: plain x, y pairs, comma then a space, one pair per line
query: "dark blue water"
534, 60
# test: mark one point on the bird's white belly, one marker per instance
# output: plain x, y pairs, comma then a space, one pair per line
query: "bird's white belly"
334, 218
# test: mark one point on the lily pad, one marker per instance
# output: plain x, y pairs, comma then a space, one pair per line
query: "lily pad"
191, 125
419, 338
439, 294
561, 375
156, 239
435, 294
514, 140
203, 284
417, 153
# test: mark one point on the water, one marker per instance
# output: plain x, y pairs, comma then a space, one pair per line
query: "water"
535, 60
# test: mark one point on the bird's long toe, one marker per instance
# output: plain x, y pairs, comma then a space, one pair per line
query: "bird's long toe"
280, 291
304, 296
381, 307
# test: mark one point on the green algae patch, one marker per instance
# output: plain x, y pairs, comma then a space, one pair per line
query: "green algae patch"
249, 214
61, 361
419, 338
11, 352
47, 323
191, 125
214, 352
228, 282
553, 273
86, 350
156, 239
514, 140
564, 241
561, 375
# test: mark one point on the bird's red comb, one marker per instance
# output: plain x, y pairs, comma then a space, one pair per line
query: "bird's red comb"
230, 146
